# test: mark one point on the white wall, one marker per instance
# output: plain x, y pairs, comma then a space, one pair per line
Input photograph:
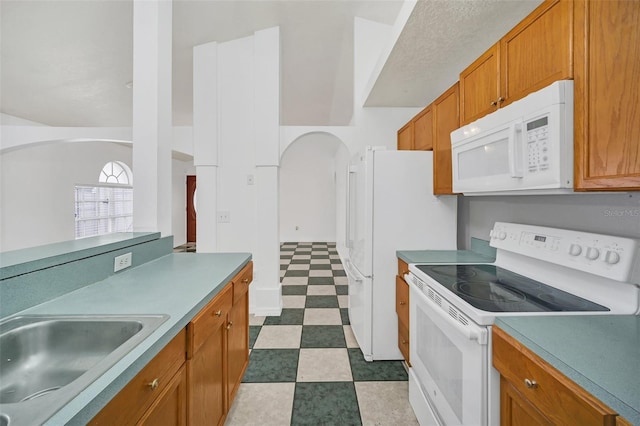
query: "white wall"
38, 189
308, 189
615, 214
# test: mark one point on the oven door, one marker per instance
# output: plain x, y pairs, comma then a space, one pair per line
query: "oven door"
450, 360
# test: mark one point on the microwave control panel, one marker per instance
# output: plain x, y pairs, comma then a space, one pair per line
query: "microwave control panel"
537, 134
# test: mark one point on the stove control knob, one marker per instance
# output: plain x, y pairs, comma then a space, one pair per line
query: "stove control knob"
575, 250
592, 253
502, 235
612, 257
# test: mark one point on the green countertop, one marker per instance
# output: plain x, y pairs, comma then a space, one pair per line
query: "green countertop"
179, 285
601, 353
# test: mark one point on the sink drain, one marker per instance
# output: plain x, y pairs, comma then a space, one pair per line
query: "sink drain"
40, 393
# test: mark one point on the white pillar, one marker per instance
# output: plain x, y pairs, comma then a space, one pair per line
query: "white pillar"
265, 297
152, 122
205, 143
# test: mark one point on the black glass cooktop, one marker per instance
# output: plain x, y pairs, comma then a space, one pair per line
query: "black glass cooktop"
494, 289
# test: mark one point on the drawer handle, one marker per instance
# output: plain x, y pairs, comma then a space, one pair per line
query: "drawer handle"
404, 342
154, 384
402, 303
229, 325
245, 281
500, 99
531, 384
218, 313
493, 103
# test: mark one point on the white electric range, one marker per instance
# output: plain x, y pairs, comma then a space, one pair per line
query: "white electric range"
537, 271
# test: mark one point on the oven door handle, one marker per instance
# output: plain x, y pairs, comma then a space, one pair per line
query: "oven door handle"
471, 331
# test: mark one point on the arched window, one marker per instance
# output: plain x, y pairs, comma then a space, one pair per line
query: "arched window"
108, 206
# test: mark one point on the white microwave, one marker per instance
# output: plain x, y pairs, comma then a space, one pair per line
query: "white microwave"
523, 148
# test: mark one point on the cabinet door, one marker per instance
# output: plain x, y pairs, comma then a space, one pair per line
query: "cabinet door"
537, 51
238, 345
423, 130
607, 93
170, 408
480, 85
516, 410
446, 119
405, 137
402, 301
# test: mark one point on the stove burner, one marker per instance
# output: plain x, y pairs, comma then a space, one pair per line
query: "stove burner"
489, 291
457, 271
561, 299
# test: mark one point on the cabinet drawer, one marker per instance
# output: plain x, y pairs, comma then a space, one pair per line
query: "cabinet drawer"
403, 341
403, 268
209, 319
402, 301
134, 399
241, 282
553, 394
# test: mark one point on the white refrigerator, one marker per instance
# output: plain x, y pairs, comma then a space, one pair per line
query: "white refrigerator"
390, 206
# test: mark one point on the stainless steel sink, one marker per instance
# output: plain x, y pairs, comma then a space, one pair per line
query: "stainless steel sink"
45, 361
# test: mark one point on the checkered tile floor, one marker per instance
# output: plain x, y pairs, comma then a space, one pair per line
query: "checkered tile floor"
305, 366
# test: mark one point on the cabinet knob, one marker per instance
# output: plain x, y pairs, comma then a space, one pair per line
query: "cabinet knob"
154, 384
531, 384
229, 325
402, 303
493, 103
246, 280
500, 99
218, 313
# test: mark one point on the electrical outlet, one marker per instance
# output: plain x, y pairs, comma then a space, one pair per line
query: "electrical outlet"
250, 180
224, 217
122, 262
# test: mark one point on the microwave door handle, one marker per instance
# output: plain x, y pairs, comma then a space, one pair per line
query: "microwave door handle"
515, 151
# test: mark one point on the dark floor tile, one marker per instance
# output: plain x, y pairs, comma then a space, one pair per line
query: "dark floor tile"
297, 273
272, 365
339, 273
286, 256
335, 261
376, 371
300, 261
321, 281
328, 403
344, 314
283, 267
305, 244
287, 317
342, 290
323, 336
321, 302
294, 290
254, 330
320, 266
320, 256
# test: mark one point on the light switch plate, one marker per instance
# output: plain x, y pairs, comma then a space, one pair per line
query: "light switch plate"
122, 262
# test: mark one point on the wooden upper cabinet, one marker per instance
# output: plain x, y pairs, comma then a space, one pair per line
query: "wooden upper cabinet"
534, 54
480, 85
405, 137
446, 119
537, 51
423, 130
607, 95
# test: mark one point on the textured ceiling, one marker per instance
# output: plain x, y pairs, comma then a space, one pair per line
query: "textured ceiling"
66, 63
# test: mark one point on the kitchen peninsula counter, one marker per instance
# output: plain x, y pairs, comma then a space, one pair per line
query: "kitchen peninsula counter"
600, 353
178, 285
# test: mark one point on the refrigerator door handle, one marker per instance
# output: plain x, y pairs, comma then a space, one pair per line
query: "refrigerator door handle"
347, 228
352, 273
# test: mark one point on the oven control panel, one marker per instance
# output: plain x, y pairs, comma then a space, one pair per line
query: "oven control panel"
617, 258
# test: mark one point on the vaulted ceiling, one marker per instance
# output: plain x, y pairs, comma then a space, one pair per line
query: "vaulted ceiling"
67, 63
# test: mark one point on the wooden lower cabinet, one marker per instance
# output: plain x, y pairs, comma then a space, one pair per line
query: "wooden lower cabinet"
194, 379
402, 309
532, 392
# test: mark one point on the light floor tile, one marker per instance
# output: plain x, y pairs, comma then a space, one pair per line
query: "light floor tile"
322, 316
268, 404
292, 302
324, 365
337, 266
320, 273
295, 280
349, 337
321, 290
343, 301
285, 261
341, 280
256, 320
279, 337
298, 267
320, 261
282, 272
301, 257
385, 403
334, 256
